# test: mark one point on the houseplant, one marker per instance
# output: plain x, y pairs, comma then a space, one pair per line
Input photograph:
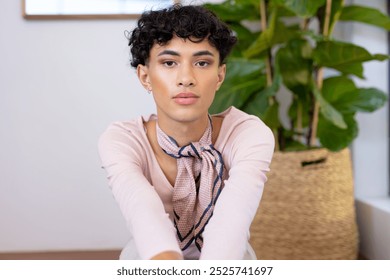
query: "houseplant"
287, 46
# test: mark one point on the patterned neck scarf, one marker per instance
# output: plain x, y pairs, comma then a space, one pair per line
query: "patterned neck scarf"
199, 182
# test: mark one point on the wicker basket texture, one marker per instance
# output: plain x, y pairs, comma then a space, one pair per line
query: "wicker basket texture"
307, 210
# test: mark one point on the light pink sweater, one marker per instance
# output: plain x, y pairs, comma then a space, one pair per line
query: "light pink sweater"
144, 194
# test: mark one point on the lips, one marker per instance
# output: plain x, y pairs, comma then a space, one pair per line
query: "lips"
185, 98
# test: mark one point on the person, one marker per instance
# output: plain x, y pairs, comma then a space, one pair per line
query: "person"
188, 183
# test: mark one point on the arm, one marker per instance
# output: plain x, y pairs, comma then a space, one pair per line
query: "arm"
122, 157
251, 147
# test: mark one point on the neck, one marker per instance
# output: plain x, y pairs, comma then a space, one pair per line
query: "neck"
185, 132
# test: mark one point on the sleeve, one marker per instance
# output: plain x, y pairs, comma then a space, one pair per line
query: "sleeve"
121, 155
251, 150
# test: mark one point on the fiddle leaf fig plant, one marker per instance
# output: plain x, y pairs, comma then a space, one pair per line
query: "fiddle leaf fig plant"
288, 45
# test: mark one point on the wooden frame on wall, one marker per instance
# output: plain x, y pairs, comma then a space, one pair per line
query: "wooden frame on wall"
111, 14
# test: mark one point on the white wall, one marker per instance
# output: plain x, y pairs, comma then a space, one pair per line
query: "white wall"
372, 144
371, 149
61, 84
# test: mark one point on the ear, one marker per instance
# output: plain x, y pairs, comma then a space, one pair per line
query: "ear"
143, 76
221, 75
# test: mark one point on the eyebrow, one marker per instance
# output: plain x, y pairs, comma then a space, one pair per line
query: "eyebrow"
199, 53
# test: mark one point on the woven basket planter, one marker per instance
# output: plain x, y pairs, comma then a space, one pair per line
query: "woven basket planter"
307, 210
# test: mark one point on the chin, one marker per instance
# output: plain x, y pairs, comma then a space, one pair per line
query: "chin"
188, 116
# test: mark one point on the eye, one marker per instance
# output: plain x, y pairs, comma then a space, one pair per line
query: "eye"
169, 63
203, 63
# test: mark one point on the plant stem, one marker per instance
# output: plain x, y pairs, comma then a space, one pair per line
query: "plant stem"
299, 129
320, 77
263, 21
299, 121
268, 64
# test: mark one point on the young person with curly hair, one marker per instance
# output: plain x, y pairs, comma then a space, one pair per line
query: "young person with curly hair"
188, 183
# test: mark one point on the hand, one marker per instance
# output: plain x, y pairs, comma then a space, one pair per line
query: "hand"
168, 255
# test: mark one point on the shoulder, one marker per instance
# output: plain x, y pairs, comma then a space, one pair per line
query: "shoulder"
238, 124
122, 131
245, 140
121, 139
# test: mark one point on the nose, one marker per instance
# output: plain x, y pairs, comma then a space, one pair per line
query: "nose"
185, 76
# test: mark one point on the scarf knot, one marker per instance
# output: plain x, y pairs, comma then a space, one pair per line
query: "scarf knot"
198, 184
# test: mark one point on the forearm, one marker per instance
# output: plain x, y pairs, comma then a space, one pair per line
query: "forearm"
231, 221
251, 154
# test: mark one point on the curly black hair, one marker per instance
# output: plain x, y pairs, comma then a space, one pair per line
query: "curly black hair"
194, 23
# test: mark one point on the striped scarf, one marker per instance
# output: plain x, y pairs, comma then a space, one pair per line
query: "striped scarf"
199, 182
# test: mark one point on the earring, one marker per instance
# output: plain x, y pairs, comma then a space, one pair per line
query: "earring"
149, 90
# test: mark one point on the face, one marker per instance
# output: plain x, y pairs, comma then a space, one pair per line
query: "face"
183, 77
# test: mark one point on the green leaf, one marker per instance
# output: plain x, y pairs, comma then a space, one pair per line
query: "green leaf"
263, 41
335, 53
290, 140
336, 9
277, 32
282, 11
361, 99
258, 103
381, 57
302, 8
245, 39
344, 57
243, 79
271, 116
255, 3
351, 68
283, 33
328, 111
304, 105
238, 68
230, 11
236, 97
334, 138
295, 67
346, 98
334, 88
365, 15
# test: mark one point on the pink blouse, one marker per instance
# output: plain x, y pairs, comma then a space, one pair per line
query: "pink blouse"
144, 194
